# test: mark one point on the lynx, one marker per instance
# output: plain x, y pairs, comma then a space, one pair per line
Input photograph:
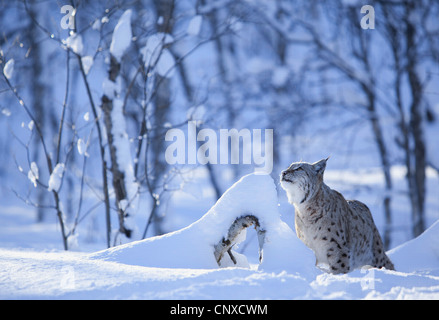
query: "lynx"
341, 232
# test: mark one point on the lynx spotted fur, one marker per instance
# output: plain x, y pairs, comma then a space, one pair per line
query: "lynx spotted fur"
341, 232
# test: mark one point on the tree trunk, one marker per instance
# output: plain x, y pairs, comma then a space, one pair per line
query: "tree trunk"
38, 90
417, 177
124, 196
162, 103
385, 165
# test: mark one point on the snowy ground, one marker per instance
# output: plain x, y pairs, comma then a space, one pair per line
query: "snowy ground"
181, 265
67, 275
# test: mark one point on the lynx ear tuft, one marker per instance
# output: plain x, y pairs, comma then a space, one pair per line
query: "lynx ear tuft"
320, 166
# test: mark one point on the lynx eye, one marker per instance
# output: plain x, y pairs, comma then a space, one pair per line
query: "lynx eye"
291, 169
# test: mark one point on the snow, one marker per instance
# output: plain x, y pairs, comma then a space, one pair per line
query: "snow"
87, 63
181, 264
31, 125
105, 19
121, 36
6, 112
33, 174
56, 177
423, 252
67, 275
111, 88
155, 55
82, 147
192, 247
74, 42
234, 75
96, 25
8, 70
194, 26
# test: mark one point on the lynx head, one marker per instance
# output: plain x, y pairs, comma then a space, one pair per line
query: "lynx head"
302, 180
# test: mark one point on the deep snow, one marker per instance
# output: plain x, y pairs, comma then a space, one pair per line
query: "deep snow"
181, 264
192, 247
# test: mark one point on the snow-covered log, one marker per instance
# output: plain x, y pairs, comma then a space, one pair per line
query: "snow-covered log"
250, 201
240, 224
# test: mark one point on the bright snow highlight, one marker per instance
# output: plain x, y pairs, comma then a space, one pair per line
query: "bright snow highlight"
8, 70
121, 36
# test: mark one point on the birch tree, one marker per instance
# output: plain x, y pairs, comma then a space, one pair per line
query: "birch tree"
124, 182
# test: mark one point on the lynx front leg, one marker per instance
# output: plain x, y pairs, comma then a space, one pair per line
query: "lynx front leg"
338, 257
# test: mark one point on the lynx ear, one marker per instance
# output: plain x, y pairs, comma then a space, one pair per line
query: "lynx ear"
320, 166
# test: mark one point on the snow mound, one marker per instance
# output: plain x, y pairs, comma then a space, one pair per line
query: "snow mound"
193, 246
419, 254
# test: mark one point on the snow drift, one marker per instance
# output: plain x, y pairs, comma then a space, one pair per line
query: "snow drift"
419, 254
193, 246
189, 270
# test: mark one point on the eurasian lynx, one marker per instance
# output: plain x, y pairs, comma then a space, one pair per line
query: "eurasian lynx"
341, 232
